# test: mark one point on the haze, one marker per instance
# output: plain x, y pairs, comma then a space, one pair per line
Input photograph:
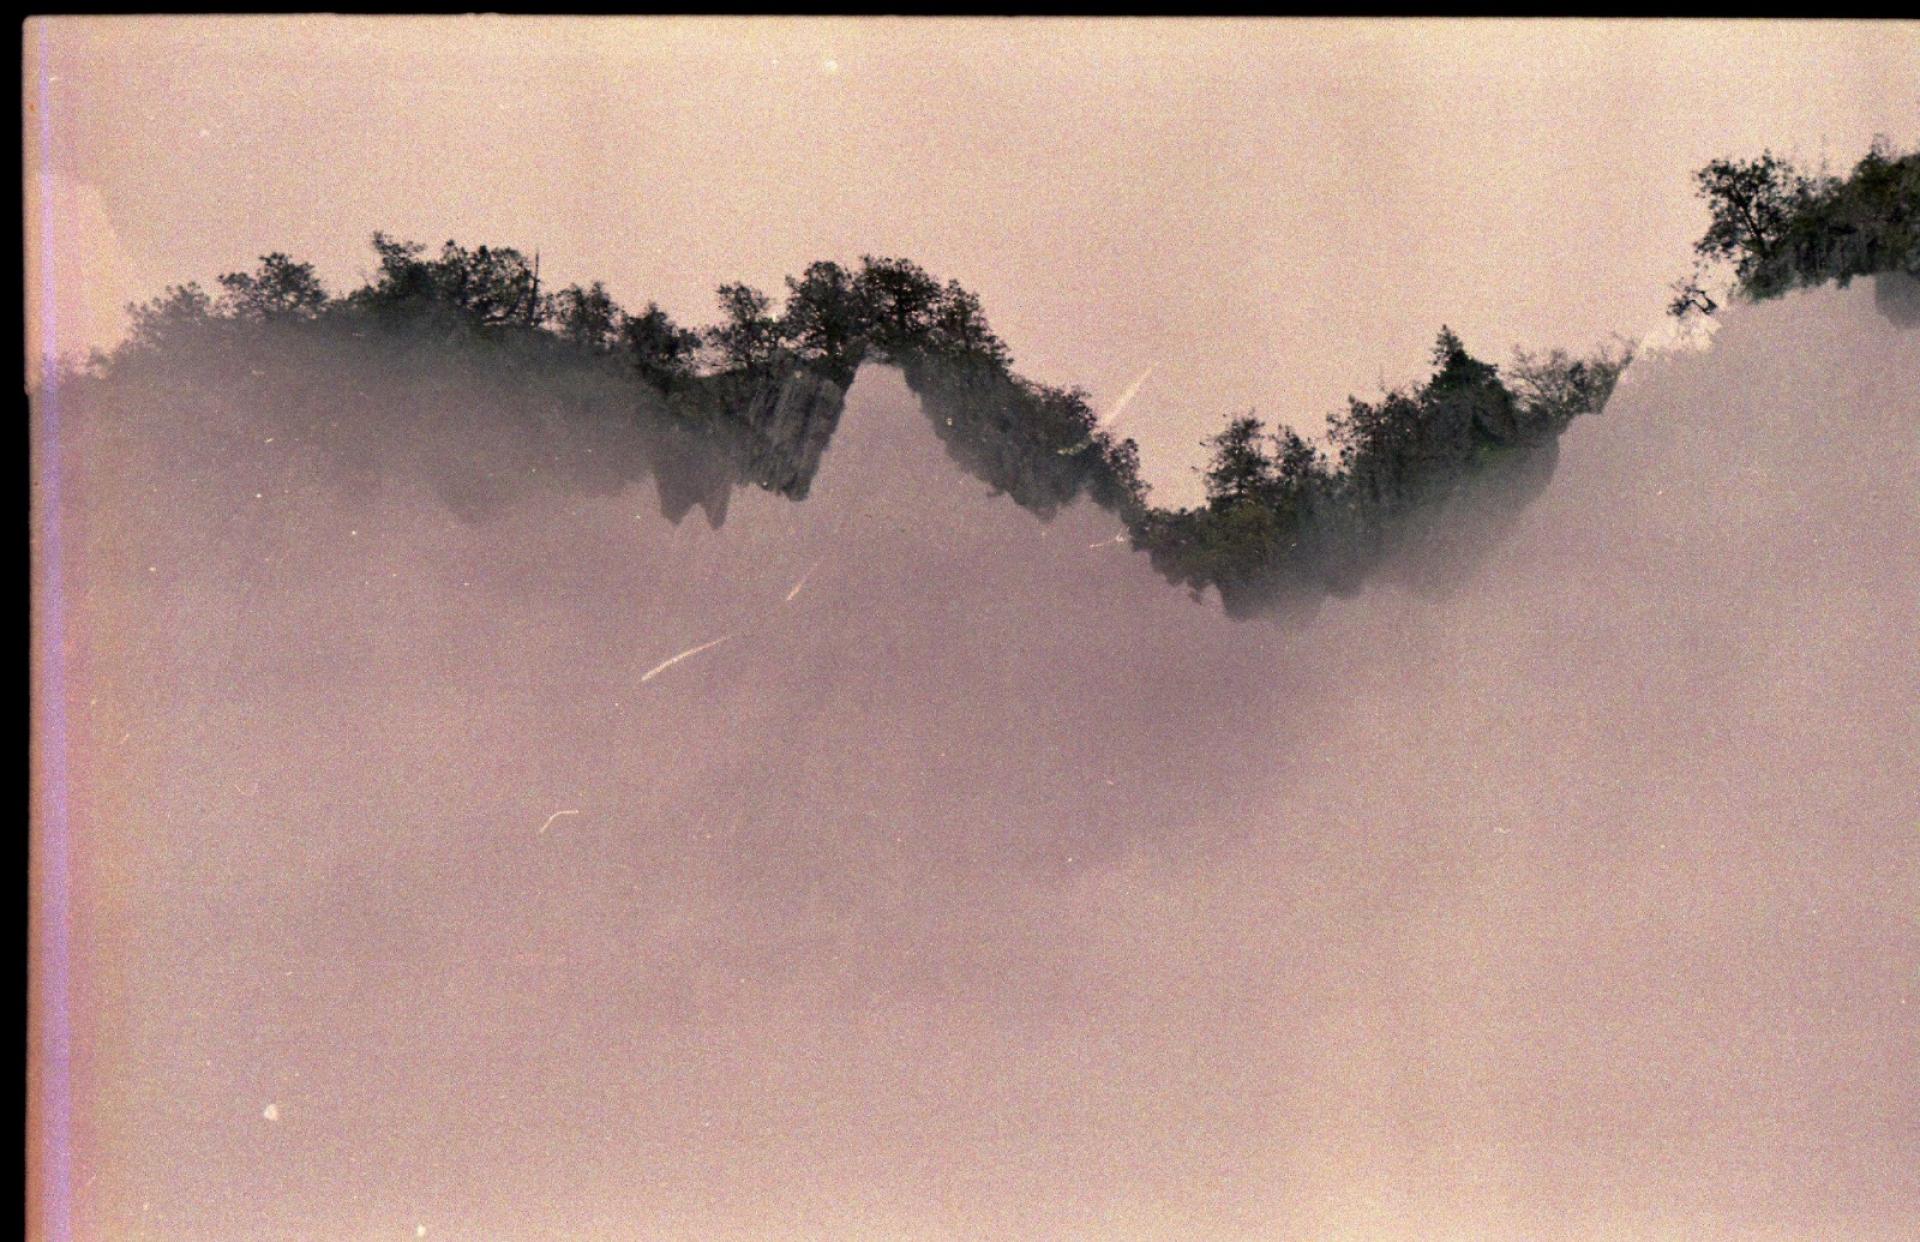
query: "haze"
433, 872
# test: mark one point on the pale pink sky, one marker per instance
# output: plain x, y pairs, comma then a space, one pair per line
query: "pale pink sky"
1272, 215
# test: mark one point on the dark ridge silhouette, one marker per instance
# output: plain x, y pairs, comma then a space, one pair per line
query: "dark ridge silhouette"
1780, 228
602, 398
593, 400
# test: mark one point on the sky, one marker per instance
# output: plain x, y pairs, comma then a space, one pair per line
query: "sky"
1270, 215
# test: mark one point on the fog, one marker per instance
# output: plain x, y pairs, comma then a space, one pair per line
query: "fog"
979, 884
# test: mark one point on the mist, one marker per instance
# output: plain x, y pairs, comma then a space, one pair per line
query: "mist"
462, 844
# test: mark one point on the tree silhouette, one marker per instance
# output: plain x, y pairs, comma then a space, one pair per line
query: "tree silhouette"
589, 317
664, 353
1752, 203
1239, 470
749, 338
827, 321
278, 289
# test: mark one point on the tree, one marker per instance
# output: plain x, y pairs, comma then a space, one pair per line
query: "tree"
1455, 368
180, 306
1779, 228
960, 326
589, 317
1753, 204
900, 300
1555, 388
1867, 223
403, 279
827, 320
1298, 465
488, 286
1239, 470
1117, 485
750, 338
278, 289
663, 352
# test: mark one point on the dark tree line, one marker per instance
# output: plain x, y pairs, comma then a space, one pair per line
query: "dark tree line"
1777, 227
754, 397
723, 381
1283, 523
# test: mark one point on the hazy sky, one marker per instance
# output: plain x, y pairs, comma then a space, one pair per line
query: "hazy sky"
1271, 214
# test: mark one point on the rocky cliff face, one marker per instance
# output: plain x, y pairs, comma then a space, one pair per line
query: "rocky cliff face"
791, 420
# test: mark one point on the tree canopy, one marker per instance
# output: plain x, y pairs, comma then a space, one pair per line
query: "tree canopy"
1777, 227
755, 395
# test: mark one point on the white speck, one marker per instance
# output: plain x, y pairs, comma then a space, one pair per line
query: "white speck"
153, 569
206, 133
830, 65
259, 496
419, 1231
271, 1112
354, 533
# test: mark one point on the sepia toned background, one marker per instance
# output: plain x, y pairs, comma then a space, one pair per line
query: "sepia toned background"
893, 864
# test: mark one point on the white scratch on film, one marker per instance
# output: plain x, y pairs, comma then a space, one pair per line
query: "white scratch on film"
802, 582
668, 663
554, 816
1126, 398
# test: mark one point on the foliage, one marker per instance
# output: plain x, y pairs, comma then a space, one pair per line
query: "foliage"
1778, 228
749, 338
181, 307
484, 287
665, 355
280, 288
753, 398
1282, 523
587, 318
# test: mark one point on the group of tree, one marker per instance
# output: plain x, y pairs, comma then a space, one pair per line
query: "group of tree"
1282, 522
1776, 227
1281, 518
832, 320
1036, 441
